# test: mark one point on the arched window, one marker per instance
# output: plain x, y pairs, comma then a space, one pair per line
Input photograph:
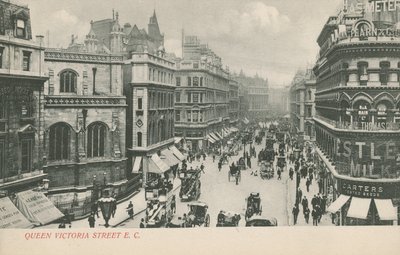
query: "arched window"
96, 140
68, 82
139, 139
59, 140
309, 94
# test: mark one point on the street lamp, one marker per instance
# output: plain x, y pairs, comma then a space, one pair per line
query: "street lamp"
106, 204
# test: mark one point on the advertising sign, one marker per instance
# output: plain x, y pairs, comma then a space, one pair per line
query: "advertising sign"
365, 189
10, 217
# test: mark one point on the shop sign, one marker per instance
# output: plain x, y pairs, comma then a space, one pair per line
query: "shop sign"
374, 6
364, 189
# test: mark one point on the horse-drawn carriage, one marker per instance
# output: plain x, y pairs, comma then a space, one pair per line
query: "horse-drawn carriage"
266, 170
198, 215
234, 172
259, 221
228, 219
241, 164
253, 205
190, 185
281, 162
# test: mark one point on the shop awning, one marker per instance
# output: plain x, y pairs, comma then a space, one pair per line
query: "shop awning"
214, 136
37, 208
156, 165
233, 129
338, 203
218, 135
136, 165
169, 158
359, 207
10, 216
177, 153
210, 139
386, 210
178, 139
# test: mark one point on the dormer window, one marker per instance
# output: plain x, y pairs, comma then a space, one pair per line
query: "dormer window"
21, 28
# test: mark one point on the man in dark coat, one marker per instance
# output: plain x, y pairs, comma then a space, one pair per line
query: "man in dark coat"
315, 216
279, 173
291, 173
91, 220
320, 185
304, 203
141, 223
314, 201
295, 212
308, 183
307, 214
95, 209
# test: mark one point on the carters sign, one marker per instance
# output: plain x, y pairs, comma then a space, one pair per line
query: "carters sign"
364, 189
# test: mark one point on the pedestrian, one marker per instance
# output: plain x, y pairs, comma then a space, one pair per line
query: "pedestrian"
308, 183
299, 194
304, 203
202, 168
248, 161
62, 225
114, 208
173, 204
323, 204
142, 223
95, 209
204, 156
130, 210
279, 173
314, 215
320, 185
295, 212
311, 176
213, 158
307, 214
237, 177
291, 172
314, 201
92, 220
219, 166
319, 213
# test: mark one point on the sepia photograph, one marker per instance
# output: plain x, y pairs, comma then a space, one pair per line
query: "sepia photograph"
253, 118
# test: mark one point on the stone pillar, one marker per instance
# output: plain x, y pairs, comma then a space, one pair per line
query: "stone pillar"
116, 151
81, 136
51, 82
85, 83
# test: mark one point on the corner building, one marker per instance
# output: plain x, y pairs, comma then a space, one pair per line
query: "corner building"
357, 118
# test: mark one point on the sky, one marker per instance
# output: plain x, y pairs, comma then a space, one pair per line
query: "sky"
271, 38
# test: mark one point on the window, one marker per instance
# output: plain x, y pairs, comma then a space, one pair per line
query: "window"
195, 116
68, 82
201, 81
1, 57
20, 28
150, 73
189, 81
178, 81
177, 115
309, 95
3, 106
140, 103
201, 116
189, 96
59, 142
2, 158
189, 116
384, 72
309, 111
363, 73
201, 97
195, 97
26, 60
26, 155
139, 139
196, 81
96, 140
195, 65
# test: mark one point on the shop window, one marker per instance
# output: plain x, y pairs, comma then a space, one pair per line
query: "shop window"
363, 73
2, 158
384, 72
21, 28
26, 60
178, 81
68, 82
26, 154
59, 140
139, 139
96, 140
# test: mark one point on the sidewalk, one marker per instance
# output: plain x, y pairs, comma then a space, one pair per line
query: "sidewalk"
121, 214
326, 218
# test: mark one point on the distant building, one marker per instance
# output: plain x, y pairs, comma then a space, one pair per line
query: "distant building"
202, 96
243, 101
279, 104
302, 95
21, 102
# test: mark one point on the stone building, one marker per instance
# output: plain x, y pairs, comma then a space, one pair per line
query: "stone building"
201, 97
21, 101
233, 103
302, 94
279, 101
357, 119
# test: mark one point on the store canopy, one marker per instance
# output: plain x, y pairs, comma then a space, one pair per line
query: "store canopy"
11, 217
169, 158
338, 203
136, 165
156, 165
37, 208
218, 135
177, 153
386, 210
214, 136
210, 139
359, 207
178, 139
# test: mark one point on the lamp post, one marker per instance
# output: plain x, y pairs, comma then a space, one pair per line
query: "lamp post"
106, 204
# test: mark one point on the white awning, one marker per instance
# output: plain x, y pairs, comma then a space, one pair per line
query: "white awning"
214, 136
338, 203
218, 135
136, 165
386, 210
210, 139
359, 207
170, 159
177, 153
156, 165
178, 139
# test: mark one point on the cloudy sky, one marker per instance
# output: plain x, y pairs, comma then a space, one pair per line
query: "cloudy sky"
273, 38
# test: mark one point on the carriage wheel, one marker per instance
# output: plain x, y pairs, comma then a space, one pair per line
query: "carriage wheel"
207, 221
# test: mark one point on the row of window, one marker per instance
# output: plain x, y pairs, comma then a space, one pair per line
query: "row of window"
26, 59
199, 115
161, 99
160, 76
26, 152
363, 74
158, 131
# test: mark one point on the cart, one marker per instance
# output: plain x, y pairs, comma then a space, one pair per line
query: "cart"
241, 164
228, 219
233, 172
190, 185
266, 170
281, 162
253, 205
198, 215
